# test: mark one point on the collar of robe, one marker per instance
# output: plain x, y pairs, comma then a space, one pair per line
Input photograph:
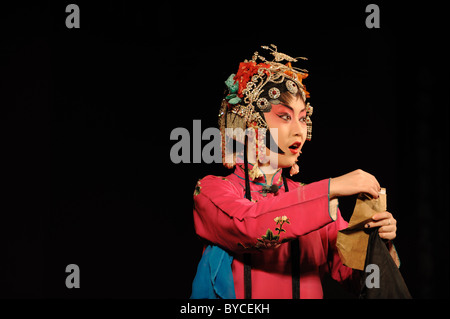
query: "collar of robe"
268, 186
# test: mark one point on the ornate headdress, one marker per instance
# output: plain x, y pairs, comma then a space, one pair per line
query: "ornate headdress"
252, 91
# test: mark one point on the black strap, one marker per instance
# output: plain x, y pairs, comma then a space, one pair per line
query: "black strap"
295, 247
247, 257
295, 259
248, 194
286, 188
295, 264
247, 276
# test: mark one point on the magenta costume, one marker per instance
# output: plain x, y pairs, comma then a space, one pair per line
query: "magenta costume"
267, 226
279, 236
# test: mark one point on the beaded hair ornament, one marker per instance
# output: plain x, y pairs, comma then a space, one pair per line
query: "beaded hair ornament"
251, 93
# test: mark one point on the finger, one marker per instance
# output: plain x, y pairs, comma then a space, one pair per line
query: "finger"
388, 236
375, 181
387, 229
372, 191
382, 222
378, 185
376, 191
382, 215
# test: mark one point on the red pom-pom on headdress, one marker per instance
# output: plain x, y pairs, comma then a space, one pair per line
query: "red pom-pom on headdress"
245, 73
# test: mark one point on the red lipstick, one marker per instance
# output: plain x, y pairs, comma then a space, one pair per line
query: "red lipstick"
295, 147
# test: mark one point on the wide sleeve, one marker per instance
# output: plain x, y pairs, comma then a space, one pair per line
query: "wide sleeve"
346, 276
223, 217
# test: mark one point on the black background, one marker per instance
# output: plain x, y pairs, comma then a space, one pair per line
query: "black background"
86, 116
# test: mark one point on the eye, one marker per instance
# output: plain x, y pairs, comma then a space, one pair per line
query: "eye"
303, 119
285, 116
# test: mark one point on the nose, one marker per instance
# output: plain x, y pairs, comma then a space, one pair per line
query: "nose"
297, 128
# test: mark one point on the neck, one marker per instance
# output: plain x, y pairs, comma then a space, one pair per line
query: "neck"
269, 172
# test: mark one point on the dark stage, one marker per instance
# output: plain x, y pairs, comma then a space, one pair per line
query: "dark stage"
86, 118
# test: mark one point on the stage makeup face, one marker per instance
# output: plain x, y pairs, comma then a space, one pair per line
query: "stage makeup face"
290, 121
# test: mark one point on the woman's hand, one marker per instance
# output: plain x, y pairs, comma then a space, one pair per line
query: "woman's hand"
387, 224
362, 182
354, 183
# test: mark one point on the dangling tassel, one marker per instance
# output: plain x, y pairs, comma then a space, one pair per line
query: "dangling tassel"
308, 129
309, 112
255, 172
248, 194
294, 169
247, 256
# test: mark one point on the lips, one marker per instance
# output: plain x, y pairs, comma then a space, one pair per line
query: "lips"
295, 147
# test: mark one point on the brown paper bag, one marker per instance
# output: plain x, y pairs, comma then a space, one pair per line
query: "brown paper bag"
352, 241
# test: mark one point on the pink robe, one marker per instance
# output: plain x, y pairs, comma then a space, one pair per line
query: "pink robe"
264, 227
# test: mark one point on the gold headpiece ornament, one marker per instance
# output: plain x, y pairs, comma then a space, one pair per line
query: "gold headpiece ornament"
250, 95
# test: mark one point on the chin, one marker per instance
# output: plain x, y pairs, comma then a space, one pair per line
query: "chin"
286, 161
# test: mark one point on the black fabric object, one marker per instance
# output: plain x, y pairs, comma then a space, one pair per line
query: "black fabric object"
295, 245
247, 276
286, 188
247, 257
248, 195
271, 144
391, 283
270, 189
295, 258
295, 264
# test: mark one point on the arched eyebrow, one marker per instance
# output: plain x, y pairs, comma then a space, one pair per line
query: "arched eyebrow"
291, 108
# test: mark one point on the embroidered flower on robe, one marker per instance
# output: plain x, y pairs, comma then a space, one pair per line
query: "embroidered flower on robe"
270, 240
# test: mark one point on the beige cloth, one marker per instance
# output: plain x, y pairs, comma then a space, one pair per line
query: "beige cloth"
352, 241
